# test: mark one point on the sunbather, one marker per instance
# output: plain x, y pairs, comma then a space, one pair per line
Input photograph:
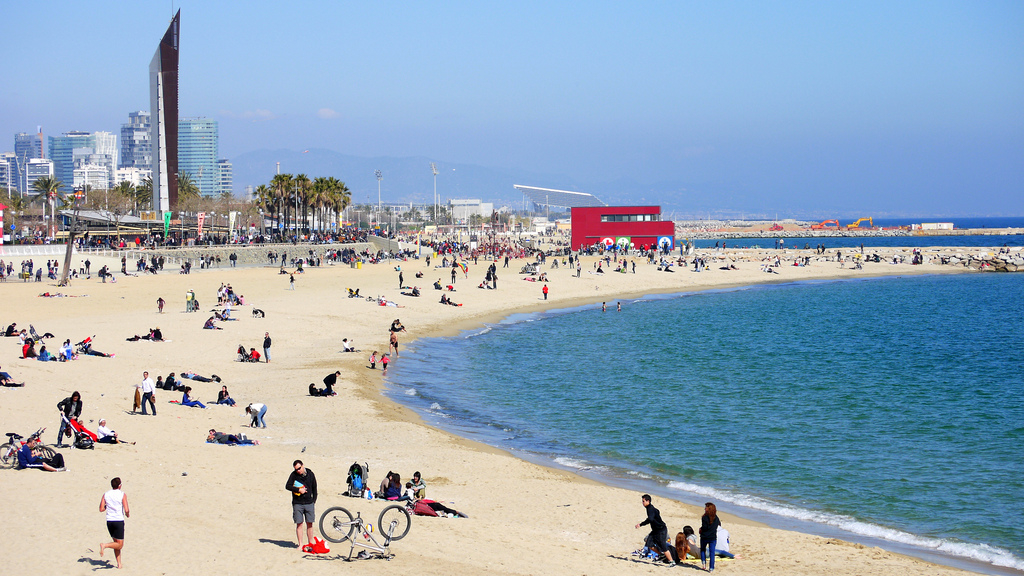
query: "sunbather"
215, 437
187, 400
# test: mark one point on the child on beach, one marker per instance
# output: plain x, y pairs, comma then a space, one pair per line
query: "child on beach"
384, 362
373, 360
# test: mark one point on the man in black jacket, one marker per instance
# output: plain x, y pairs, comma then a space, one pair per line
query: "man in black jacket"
302, 484
658, 539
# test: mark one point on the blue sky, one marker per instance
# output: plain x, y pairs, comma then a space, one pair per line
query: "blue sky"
873, 106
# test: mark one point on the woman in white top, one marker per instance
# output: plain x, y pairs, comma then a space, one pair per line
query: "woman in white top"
115, 504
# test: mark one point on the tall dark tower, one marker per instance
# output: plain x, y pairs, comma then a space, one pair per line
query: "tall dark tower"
163, 99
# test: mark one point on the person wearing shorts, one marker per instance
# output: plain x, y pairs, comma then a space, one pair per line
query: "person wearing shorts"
115, 503
302, 484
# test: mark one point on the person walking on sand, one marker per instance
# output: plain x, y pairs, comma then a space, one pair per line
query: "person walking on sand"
709, 524
545, 291
115, 503
658, 538
266, 346
401, 280
160, 305
291, 281
148, 388
302, 484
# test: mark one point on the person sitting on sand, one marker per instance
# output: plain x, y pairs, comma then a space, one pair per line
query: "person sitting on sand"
28, 457
66, 352
106, 435
254, 356
187, 400
419, 487
12, 330
215, 437
45, 356
224, 398
28, 350
349, 346
210, 325
686, 544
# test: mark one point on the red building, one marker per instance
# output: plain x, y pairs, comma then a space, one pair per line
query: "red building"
637, 226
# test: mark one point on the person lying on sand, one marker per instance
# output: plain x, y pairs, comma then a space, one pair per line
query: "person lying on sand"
215, 437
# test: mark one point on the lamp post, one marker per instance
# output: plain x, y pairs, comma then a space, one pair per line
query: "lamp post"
379, 176
433, 168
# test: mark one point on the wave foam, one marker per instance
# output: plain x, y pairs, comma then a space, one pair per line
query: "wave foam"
979, 552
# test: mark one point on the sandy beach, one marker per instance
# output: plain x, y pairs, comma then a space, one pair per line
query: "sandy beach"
199, 508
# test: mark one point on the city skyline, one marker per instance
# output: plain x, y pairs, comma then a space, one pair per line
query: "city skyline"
746, 106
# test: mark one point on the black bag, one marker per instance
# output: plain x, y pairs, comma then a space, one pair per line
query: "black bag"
83, 442
57, 461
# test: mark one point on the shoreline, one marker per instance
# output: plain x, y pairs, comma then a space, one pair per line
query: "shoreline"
618, 476
504, 495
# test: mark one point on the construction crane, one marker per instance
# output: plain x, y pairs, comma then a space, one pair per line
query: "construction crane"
856, 224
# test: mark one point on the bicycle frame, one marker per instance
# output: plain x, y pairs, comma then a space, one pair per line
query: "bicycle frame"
383, 550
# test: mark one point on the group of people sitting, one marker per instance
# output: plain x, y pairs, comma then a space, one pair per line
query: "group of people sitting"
251, 356
391, 488
446, 300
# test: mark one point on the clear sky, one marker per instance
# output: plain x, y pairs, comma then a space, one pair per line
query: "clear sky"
888, 106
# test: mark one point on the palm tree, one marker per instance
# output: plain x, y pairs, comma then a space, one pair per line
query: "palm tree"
281, 184
144, 193
187, 188
127, 190
302, 185
48, 187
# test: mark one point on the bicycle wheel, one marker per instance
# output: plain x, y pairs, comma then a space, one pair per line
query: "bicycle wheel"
8, 456
396, 519
45, 452
336, 524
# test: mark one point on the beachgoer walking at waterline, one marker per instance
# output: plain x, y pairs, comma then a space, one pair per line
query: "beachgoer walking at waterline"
545, 291
373, 360
604, 306
302, 484
115, 503
658, 538
709, 524
618, 306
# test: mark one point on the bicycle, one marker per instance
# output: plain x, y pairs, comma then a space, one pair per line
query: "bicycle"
9, 450
337, 525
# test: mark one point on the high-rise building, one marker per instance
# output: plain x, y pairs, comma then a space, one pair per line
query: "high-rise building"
163, 98
136, 150
37, 168
197, 153
93, 150
9, 172
27, 147
227, 184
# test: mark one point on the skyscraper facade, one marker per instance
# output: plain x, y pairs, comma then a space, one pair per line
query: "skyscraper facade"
227, 176
163, 98
197, 153
136, 150
94, 151
26, 147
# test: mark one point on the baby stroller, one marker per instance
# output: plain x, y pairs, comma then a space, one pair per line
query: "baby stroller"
357, 479
84, 439
244, 355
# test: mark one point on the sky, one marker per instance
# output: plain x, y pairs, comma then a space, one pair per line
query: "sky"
878, 107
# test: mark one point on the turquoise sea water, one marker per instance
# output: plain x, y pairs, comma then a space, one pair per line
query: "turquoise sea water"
888, 408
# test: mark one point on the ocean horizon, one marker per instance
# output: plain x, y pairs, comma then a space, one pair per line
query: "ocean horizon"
878, 410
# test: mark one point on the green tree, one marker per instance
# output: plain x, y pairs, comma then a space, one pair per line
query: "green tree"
187, 187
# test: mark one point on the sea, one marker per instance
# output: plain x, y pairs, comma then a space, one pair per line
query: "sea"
887, 411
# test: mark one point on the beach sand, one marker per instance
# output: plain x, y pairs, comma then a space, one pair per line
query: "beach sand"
200, 508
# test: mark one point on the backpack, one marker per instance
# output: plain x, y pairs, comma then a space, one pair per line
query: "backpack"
357, 479
83, 442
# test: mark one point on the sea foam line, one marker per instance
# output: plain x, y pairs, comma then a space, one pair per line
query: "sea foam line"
980, 552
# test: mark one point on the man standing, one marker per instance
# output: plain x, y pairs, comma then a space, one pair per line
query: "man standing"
658, 538
302, 484
545, 291
147, 387
266, 346
115, 503
401, 280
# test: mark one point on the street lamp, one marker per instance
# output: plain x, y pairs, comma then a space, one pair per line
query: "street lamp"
433, 168
379, 176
